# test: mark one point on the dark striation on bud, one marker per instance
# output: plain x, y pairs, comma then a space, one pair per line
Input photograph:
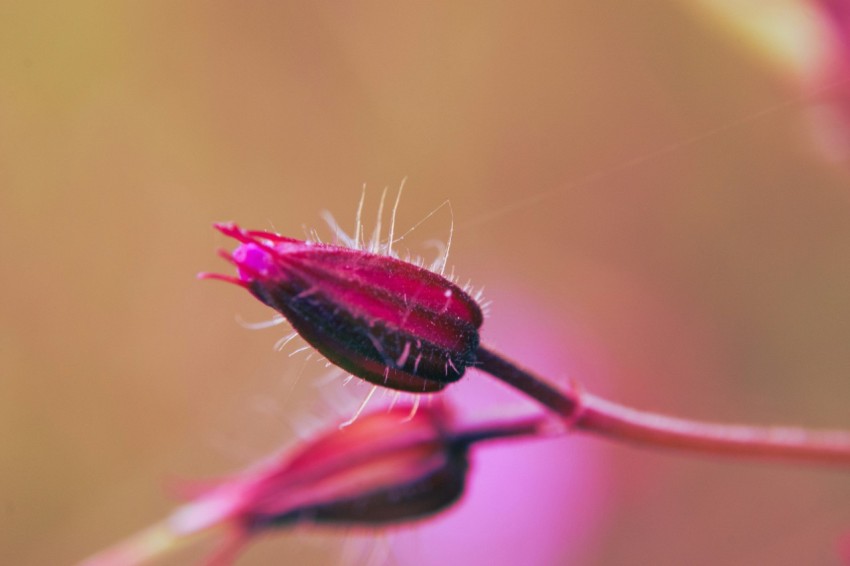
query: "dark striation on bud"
417, 499
384, 320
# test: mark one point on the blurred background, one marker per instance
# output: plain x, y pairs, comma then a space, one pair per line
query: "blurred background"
653, 194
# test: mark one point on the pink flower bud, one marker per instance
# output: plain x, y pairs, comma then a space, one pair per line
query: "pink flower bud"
386, 468
387, 321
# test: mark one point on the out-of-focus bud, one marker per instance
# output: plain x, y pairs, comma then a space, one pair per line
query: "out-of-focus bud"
384, 320
384, 468
389, 467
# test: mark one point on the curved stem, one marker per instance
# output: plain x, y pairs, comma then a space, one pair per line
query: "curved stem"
778, 442
588, 412
564, 403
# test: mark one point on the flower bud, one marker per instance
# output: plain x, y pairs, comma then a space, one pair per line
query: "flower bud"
384, 468
389, 467
384, 320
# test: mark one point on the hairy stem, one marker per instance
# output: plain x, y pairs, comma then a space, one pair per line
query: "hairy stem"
588, 412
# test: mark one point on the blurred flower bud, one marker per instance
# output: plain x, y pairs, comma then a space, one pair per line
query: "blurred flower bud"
388, 467
384, 320
381, 469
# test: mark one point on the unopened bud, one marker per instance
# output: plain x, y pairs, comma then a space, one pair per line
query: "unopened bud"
384, 320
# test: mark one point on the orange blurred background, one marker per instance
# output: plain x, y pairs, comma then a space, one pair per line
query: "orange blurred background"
691, 267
